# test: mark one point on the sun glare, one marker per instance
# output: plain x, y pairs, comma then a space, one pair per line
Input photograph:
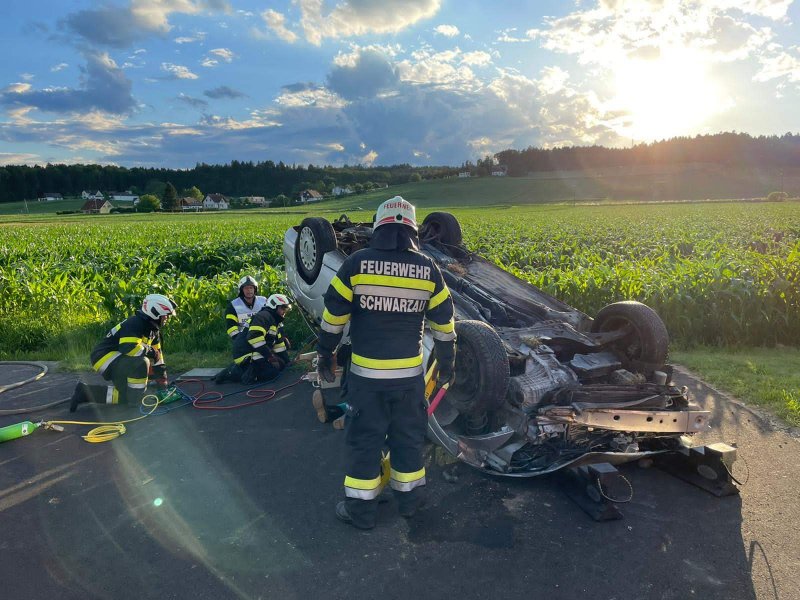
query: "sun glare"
663, 98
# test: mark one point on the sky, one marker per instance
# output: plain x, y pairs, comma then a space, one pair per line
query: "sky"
173, 83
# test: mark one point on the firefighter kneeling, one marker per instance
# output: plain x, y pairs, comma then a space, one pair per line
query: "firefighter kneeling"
386, 292
260, 351
129, 354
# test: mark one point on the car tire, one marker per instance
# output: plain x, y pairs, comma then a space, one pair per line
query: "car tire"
442, 227
315, 238
482, 373
648, 342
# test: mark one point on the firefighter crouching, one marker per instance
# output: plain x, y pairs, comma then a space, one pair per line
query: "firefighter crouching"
243, 307
260, 351
129, 354
386, 292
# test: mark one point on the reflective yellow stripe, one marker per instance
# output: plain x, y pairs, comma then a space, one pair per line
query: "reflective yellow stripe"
362, 484
448, 327
232, 318
241, 359
387, 363
136, 351
273, 330
388, 280
279, 347
130, 340
408, 477
257, 341
103, 362
257, 328
438, 298
344, 291
335, 319
136, 383
233, 329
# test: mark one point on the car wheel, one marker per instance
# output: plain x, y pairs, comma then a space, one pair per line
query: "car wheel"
441, 227
315, 238
481, 369
647, 342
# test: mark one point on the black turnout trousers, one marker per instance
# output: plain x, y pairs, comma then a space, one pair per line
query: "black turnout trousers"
395, 418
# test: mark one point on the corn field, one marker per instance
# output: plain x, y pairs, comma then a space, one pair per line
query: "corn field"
726, 274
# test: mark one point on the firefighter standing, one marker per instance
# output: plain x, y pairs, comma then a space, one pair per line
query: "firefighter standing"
386, 292
244, 306
260, 352
128, 354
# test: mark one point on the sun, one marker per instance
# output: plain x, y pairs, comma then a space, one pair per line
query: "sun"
667, 97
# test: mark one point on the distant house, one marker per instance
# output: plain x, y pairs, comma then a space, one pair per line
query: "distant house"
257, 200
216, 202
190, 204
49, 196
464, 174
307, 196
125, 196
499, 171
98, 195
341, 191
95, 207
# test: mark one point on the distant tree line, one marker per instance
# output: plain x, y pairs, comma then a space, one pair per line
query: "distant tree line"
239, 178
725, 149
271, 179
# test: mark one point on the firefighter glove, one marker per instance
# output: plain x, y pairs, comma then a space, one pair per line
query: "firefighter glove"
326, 367
446, 357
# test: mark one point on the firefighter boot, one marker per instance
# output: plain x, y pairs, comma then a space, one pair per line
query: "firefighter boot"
224, 375
79, 396
344, 516
98, 394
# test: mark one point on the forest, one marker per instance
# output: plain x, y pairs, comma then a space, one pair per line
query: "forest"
270, 179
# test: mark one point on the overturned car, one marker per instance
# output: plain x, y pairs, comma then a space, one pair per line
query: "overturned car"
539, 385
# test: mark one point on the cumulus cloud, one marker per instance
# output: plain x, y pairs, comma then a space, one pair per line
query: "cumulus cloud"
121, 26
223, 91
177, 71
478, 58
277, 23
209, 62
447, 30
446, 68
104, 87
348, 18
371, 73
58, 67
781, 65
223, 53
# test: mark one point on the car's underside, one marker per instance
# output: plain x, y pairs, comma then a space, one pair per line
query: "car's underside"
538, 384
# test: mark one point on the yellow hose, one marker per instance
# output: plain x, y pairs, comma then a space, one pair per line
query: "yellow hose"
111, 430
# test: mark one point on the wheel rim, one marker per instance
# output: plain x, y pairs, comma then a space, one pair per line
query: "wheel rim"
308, 248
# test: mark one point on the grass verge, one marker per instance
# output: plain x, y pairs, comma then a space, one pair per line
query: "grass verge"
765, 377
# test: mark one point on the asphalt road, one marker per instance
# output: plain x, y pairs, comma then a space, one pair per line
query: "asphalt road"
239, 504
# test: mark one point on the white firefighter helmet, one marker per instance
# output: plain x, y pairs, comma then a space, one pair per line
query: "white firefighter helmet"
156, 306
278, 300
396, 210
248, 280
